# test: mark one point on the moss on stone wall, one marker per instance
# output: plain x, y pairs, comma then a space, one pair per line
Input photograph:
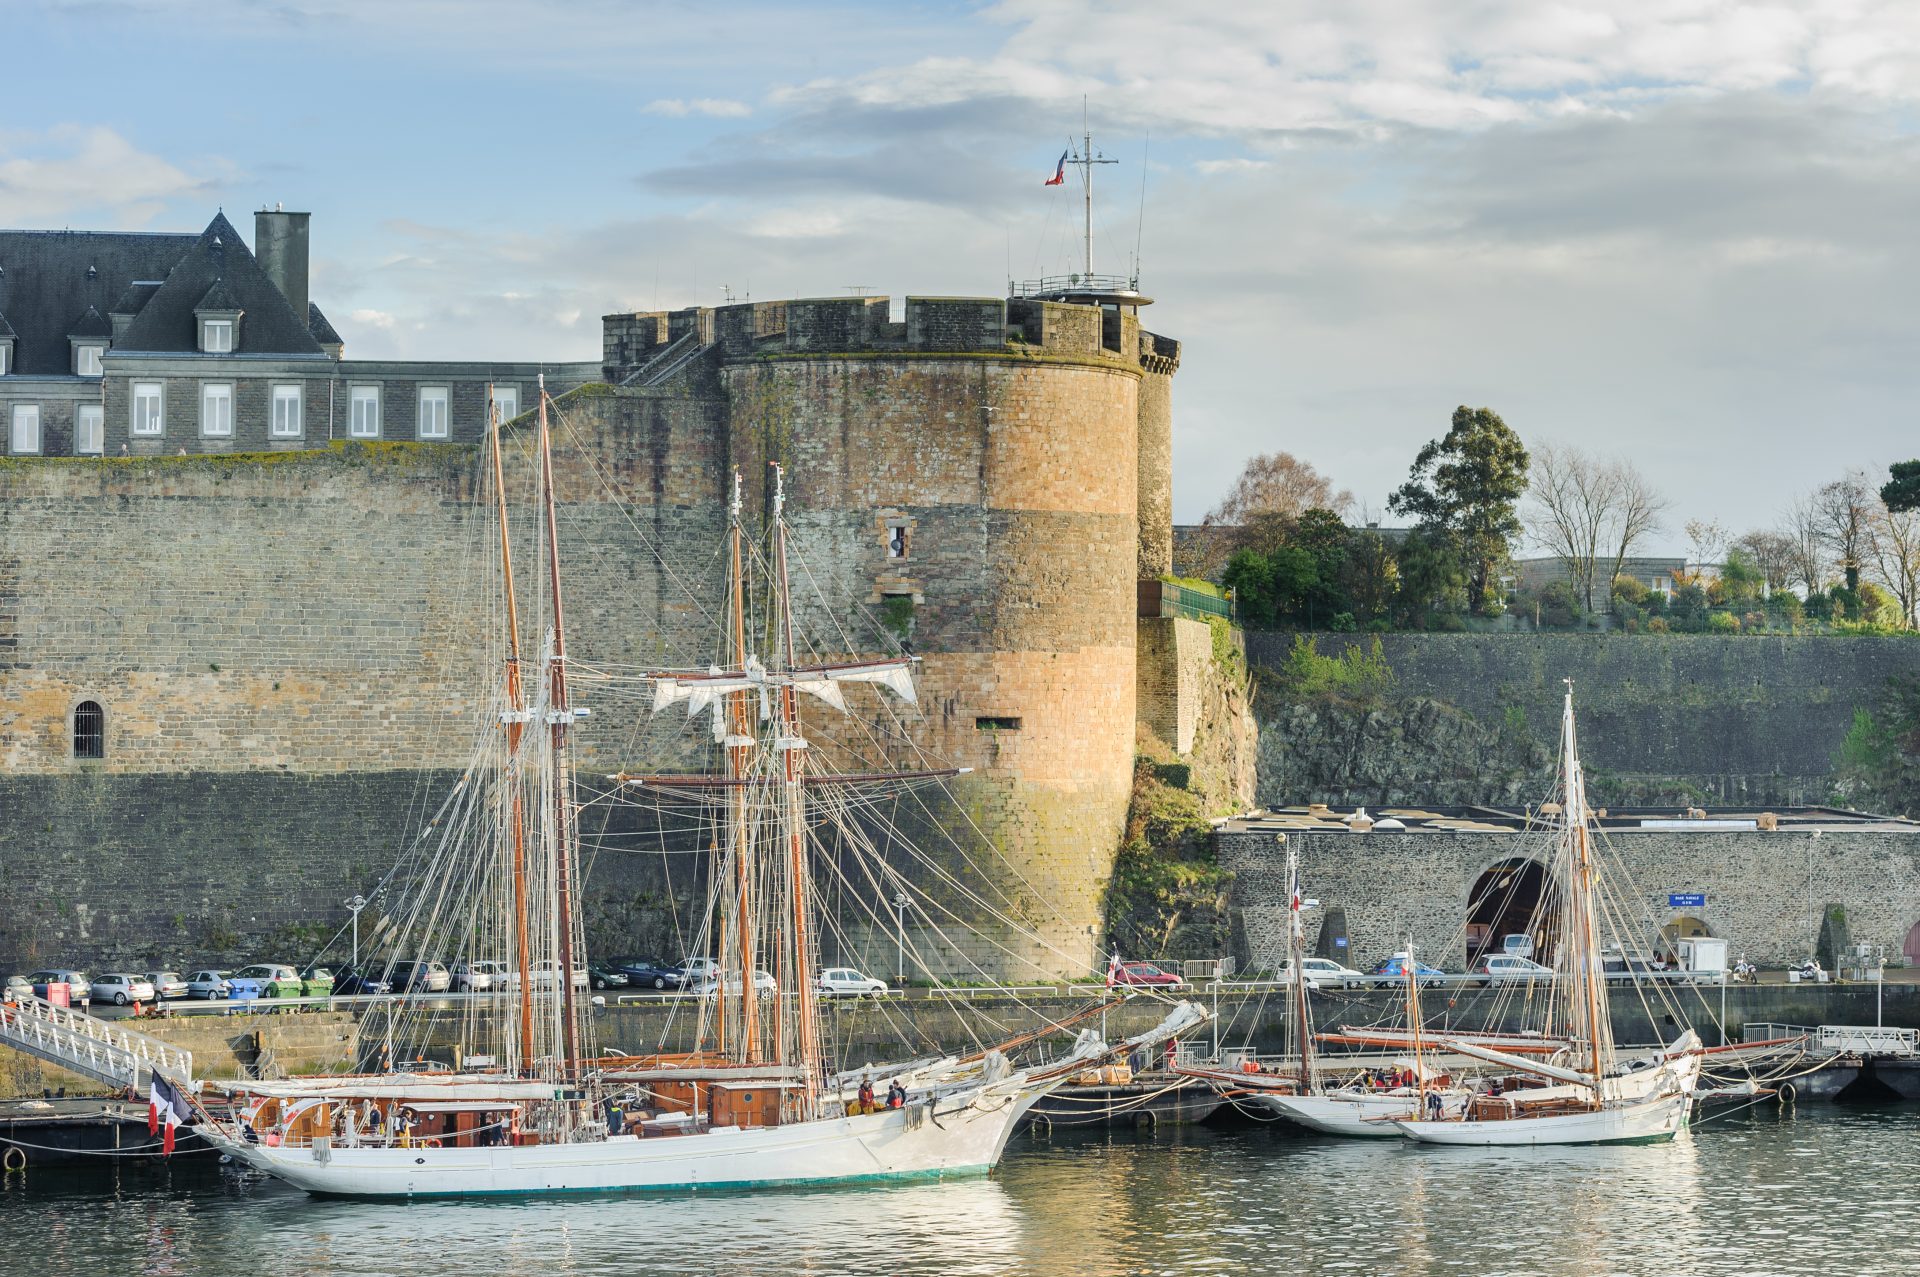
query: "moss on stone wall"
1168, 895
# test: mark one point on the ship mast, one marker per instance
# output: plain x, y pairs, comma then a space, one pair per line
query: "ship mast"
806, 1028
1297, 942
1580, 893
516, 727
559, 718
740, 737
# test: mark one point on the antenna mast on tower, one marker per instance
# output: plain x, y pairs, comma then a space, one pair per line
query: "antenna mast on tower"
1086, 157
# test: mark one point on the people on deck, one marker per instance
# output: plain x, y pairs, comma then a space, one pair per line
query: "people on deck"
865, 1101
896, 1095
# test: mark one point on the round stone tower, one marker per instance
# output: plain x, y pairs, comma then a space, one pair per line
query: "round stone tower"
970, 478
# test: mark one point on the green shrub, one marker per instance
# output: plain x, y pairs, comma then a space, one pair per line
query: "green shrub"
1361, 673
1722, 623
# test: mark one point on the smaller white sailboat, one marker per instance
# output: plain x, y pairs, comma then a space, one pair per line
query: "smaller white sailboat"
1591, 1095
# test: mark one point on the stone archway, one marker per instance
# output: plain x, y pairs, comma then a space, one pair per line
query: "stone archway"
1682, 926
1513, 897
1912, 947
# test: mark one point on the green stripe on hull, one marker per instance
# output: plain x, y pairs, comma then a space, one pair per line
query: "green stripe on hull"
727, 1186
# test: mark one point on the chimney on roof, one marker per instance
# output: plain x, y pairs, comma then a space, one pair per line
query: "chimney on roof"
280, 246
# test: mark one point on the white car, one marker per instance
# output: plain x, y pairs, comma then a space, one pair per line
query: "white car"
209, 984
1323, 973
1507, 966
541, 975
167, 984
264, 980
763, 983
120, 988
845, 982
478, 977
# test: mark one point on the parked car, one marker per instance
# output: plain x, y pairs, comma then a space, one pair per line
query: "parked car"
545, 974
18, 987
315, 982
845, 982
121, 988
645, 973
418, 975
1623, 968
697, 971
79, 984
1397, 966
1322, 973
603, 975
209, 983
167, 984
478, 977
1505, 966
1144, 974
347, 982
763, 983
263, 980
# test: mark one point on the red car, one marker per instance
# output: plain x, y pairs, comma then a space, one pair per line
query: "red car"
1143, 973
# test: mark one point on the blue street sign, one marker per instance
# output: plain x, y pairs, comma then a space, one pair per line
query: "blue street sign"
1339, 942
1686, 899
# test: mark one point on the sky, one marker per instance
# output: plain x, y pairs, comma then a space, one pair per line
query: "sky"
1683, 232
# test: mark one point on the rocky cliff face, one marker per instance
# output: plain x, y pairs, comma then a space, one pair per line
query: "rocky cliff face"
1411, 751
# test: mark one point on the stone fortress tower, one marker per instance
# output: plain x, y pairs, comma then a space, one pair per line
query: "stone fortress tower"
992, 477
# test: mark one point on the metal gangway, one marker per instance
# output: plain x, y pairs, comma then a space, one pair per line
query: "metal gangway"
102, 1050
1842, 1039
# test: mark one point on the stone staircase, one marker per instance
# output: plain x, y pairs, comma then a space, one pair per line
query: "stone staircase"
668, 360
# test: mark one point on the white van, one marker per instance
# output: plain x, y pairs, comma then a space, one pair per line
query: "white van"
1517, 944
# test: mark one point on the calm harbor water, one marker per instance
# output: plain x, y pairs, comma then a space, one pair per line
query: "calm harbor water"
1815, 1190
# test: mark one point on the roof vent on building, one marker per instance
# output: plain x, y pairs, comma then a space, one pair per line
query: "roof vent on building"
93, 272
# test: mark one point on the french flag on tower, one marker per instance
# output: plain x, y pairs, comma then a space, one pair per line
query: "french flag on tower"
1059, 170
166, 1103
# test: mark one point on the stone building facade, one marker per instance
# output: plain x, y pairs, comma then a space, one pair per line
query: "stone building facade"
212, 744
153, 344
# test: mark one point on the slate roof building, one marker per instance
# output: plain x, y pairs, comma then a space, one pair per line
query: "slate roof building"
134, 343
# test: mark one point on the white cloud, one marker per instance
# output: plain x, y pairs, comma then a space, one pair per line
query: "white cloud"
76, 173
375, 319
715, 108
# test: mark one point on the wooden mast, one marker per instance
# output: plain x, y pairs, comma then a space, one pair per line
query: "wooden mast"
1298, 941
560, 718
806, 1028
516, 727
741, 731
1413, 1022
1582, 899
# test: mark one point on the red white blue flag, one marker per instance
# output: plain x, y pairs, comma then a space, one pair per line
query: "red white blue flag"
165, 1101
1059, 170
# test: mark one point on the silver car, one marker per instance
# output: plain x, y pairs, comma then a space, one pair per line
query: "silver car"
209, 984
121, 988
167, 984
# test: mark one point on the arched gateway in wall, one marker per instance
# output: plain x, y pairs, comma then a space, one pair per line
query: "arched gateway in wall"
1514, 897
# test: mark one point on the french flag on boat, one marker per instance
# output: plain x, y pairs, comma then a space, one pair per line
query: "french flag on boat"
166, 1103
1059, 170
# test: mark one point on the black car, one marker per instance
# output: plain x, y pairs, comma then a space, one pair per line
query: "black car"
645, 973
604, 975
348, 982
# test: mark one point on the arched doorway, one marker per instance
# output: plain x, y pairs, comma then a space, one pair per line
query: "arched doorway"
1514, 897
1912, 947
1683, 926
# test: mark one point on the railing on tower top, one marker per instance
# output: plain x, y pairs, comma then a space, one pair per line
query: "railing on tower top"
1054, 284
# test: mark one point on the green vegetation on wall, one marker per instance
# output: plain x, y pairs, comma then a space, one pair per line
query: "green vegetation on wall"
1168, 895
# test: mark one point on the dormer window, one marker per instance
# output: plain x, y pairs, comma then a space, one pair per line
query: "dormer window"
6, 357
218, 316
86, 358
216, 336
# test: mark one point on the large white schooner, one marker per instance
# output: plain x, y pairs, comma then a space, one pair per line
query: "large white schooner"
758, 1103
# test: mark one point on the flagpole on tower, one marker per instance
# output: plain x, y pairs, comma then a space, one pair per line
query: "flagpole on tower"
1086, 159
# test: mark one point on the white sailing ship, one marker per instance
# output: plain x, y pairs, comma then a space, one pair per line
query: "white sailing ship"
758, 1103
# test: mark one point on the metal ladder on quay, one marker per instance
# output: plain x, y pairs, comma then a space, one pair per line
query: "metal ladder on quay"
103, 1051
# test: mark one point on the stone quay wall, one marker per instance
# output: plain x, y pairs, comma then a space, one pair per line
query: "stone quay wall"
1766, 892
1747, 720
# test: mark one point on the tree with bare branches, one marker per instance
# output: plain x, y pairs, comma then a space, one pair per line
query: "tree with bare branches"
1802, 532
1893, 544
1843, 514
1590, 512
1277, 484
1773, 553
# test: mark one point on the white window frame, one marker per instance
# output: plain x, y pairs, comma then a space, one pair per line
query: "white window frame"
208, 327
6, 355
82, 446
86, 359
151, 426
23, 416
216, 410
502, 396
440, 426
363, 425
283, 393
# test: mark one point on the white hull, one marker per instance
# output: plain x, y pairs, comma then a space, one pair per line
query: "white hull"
1635, 1122
957, 1139
1357, 1116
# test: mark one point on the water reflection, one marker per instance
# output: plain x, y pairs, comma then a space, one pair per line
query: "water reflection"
1754, 1195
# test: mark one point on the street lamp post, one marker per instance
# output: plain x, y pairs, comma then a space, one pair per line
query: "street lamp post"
900, 932
354, 906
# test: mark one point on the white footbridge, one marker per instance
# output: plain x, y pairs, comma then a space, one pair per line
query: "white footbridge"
102, 1050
